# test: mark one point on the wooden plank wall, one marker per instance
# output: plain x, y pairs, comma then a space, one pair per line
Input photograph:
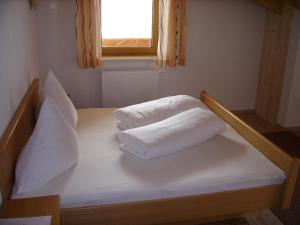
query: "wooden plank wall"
297, 4
277, 5
272, 5
274, 54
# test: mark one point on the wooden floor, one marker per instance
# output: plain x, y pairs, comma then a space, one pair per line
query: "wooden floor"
286, 141
297, 132
261, 125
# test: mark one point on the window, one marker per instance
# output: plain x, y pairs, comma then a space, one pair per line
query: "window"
129, 28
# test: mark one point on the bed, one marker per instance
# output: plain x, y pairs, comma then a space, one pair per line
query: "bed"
237, 179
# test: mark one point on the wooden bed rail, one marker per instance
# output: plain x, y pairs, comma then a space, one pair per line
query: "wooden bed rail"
280, 158
16, 136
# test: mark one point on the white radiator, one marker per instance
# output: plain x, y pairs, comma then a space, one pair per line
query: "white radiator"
123, 88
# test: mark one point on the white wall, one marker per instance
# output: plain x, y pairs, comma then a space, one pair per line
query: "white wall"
290, 99
18, 55
57, 49
224, 43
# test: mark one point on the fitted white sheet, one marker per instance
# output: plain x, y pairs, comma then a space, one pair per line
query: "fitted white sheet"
105, 174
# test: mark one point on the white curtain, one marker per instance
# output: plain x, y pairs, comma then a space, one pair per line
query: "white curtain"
172, 30
88, 33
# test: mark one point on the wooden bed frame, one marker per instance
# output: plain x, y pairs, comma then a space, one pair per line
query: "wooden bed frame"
191, 209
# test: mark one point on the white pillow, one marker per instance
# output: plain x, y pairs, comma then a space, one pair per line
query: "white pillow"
54, 90
51, 150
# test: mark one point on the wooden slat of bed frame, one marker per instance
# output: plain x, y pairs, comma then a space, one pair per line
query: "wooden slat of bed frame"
201, 208
15, 137
279, 157
270, 150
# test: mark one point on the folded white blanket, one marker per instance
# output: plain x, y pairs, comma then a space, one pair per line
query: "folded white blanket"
176, 133
153, 111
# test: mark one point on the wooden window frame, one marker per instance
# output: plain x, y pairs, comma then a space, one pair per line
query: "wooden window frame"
138, 51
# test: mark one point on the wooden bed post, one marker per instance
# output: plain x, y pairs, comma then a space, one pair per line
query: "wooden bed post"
290, 184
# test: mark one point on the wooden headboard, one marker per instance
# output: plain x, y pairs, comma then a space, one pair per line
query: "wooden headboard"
16, 136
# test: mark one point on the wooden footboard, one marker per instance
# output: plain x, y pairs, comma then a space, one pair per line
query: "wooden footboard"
280, 158
199, 208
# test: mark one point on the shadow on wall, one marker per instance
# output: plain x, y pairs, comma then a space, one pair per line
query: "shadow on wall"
19, 60
57, 49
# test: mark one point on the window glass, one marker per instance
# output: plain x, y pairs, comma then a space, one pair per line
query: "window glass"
127, 23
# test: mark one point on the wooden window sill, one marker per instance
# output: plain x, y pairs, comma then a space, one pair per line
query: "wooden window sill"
128, 58
129, 63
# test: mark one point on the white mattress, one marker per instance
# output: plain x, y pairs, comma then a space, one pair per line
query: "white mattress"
105, 174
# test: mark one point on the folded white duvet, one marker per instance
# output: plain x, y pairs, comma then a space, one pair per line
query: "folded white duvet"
176, 133
153, 111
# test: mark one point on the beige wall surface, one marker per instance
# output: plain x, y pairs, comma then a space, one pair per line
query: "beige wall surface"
224, 40
57, 50
18, 55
